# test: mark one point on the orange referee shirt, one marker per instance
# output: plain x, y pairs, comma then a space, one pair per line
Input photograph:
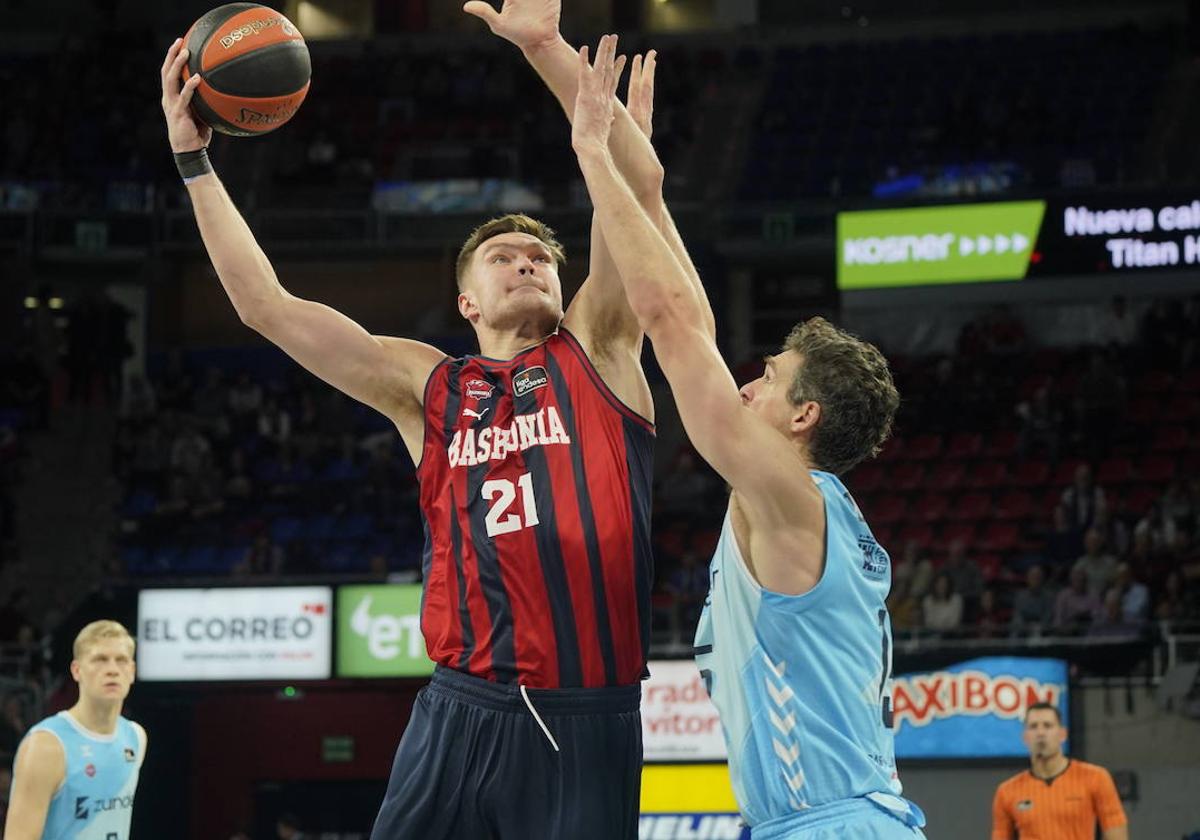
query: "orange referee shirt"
1066, 807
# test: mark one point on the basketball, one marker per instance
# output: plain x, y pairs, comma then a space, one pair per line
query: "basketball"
255, 68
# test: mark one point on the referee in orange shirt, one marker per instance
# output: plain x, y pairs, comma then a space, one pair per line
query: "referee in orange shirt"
1057, 798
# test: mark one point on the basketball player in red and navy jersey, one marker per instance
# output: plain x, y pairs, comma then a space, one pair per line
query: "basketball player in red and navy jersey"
534, 463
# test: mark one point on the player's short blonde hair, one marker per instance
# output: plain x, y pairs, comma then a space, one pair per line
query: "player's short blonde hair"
512, 223
98, 631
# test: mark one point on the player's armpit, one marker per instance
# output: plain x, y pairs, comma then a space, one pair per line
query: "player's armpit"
38, 772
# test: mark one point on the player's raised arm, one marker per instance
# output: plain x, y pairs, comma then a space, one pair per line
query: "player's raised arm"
752, 456
37, 774
385, 373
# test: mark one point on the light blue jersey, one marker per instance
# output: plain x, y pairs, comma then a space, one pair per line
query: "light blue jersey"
95, 801
803, 682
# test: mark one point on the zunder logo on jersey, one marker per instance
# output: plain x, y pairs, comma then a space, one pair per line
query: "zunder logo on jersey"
471, 447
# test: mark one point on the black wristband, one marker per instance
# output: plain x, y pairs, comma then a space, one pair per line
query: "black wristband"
192, 165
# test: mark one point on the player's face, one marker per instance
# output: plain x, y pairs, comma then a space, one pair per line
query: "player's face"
105, 671
512, 281
767, 396
1044, 735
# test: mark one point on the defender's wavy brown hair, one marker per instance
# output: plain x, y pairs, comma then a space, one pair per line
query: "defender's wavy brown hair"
512, 223
851, 381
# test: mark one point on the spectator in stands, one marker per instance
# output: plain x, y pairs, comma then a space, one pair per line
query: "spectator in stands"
191, 451
1041, 426
903, 608
1113, 530
1033, 607
1063, 543
138, 404
687, 587
1135, 597
239, 487
287, 827
1099, 566
1176, 604
965, 575
1083, 499
1111, 623
13, 724
274, 422
210, 404
262, 558
916, 566
942, 607
1178, 505
990, 620
1156, 528
1075, 608
245, 402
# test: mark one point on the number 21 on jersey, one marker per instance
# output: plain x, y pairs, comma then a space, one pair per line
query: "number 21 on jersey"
500, 493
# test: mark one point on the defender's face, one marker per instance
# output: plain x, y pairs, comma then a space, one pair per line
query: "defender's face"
1043, 735
106, 670
512, 279
767, 396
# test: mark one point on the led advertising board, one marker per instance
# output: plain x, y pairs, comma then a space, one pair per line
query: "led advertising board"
379, 632
235, 634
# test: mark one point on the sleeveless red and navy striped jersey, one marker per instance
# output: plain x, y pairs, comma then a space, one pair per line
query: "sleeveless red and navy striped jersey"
535, 491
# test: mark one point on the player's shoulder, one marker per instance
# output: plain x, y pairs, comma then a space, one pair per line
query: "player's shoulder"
42, 744
1086, 770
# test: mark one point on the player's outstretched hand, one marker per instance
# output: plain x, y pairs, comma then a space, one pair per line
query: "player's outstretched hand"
186, 133
641, 91
526, 23
597, 89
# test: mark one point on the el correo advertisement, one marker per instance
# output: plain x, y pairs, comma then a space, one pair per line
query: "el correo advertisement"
379, 632
235, 634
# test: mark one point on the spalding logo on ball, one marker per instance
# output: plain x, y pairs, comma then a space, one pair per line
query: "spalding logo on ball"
254, 66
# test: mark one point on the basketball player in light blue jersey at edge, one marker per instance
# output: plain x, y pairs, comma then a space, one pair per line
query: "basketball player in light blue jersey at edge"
76, 772
794, 642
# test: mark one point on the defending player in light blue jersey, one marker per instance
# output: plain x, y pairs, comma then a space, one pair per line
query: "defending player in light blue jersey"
795, 640
76, 772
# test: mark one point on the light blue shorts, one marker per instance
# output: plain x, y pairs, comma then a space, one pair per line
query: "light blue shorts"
852, 819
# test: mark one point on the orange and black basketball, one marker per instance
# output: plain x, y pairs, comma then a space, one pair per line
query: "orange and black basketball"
254, 65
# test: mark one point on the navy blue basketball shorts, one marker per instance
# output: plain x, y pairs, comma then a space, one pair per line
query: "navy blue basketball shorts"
483, 761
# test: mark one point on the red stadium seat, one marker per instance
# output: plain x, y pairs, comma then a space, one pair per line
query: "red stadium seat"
892, 450
888, 509
970, 508
866, 478
1189, 383
1181, 408
1138, 499
1001, 445
986, 475
1014, 505
1000, 537
945, 476
954, 531
1170, 439
922, 535
1156, 469
906, 476
923, 448
1064, 473
931, 507
991, 565
964, 445
1030, 474
1115, 471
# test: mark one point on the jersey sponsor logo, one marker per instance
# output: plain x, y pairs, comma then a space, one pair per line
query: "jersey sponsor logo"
875, 559
90, 770
925, 698
477, 415
478, 389
691, 827
81, 809
130, 755
1024, 804
470, 448
530, 379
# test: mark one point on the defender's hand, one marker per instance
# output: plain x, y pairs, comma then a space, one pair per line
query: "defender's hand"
641, 92
597, 89
526, 23
185, 132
